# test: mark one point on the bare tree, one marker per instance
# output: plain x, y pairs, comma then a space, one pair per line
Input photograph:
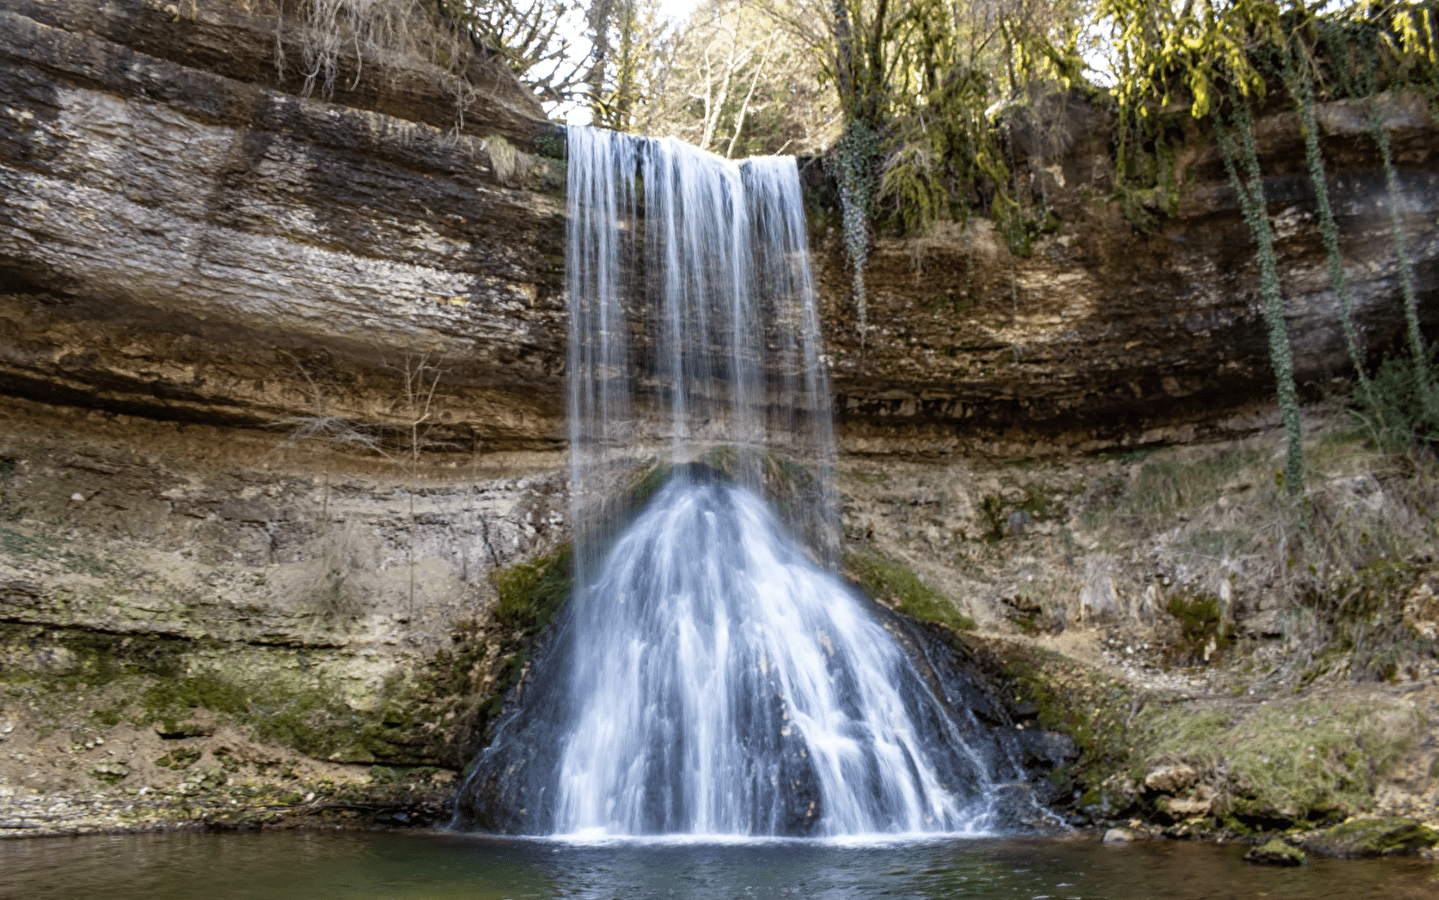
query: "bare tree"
419, 376
536, 39
736, 85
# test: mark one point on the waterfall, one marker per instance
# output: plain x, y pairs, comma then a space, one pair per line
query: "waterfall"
693, 328
710, 675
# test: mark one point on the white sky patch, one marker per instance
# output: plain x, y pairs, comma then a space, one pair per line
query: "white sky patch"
578, 113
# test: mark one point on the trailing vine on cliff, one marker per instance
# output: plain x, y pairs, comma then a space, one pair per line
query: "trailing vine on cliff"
1299, 80
853, 163
1237, 147
1357, 50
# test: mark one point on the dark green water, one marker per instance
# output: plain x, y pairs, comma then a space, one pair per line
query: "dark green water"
321, 866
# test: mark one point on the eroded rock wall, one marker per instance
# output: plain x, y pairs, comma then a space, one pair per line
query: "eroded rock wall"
191, 242
1104, 337
198, 263
229, 313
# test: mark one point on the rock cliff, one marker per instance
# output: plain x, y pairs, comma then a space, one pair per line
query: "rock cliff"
281, 376
185, 236
1106, 337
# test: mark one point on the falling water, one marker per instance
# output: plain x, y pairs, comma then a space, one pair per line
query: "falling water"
710, 676
693, 327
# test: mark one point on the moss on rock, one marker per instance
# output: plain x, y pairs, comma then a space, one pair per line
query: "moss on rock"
892, 582
531, 593
298, 697
1395, 836
1092, 709
1282, 764
1276, 853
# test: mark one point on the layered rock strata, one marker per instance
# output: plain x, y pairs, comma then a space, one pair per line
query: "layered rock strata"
1107, 337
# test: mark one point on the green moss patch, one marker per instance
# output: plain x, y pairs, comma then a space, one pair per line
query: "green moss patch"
892, 582
293, 696
1286, 764
1269, 766
531, 593
1395, 836
1276, 853
1201, 625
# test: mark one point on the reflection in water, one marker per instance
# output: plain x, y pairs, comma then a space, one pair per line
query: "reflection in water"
350, 866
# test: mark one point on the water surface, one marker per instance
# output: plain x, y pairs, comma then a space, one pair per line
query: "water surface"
381, 866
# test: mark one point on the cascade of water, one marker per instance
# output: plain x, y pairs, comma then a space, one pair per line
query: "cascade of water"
693, 326
709, 676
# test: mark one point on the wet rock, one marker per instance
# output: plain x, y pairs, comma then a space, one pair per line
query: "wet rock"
1118, 836
1396, 836
1276, 853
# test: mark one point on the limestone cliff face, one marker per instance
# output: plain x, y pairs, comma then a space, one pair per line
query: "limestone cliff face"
1105, 337
197, 261
181, 234
199, 265
185, 236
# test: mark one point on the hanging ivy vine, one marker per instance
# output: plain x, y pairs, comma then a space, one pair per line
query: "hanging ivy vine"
853, 162
1298, 79
1236, 144
949, 93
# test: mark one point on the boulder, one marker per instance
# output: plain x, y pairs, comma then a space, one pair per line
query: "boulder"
1276, 853
1170, 778
1397, 836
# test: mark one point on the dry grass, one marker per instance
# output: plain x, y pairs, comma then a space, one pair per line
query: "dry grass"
1334, 562
343, 36
511, 166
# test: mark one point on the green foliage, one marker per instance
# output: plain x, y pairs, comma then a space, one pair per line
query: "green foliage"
890, 581
912, 182
1400, 406
551, 146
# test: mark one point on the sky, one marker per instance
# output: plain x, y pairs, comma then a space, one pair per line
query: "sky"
673, 11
